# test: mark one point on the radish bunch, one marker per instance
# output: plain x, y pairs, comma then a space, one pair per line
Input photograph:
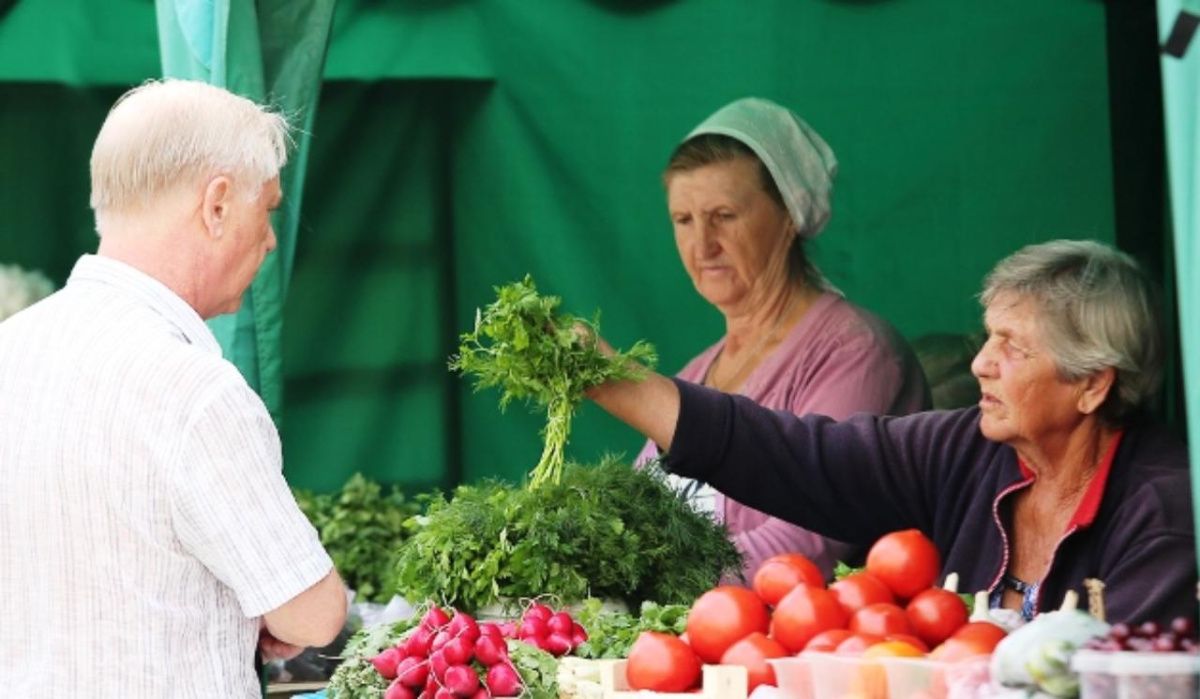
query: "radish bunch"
448, 657
554, 632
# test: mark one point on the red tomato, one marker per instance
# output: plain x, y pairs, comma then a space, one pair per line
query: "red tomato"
752, 652
857, 643
662, 663
857, 590
779, 574
974, 638
936, 614
880, 619
906, 561
723, 616
827, 641
803, 613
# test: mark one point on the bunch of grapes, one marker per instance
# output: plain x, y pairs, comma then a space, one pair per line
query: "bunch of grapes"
1179, 635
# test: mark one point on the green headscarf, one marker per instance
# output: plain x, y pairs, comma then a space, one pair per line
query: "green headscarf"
801, 163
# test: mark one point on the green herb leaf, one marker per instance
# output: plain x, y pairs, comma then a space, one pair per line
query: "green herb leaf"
611, 634
842, 570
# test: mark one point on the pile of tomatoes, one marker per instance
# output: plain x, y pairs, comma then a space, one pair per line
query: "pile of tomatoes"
889, 609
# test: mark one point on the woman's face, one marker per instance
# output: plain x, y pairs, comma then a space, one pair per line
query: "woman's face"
732, 237
1024, 401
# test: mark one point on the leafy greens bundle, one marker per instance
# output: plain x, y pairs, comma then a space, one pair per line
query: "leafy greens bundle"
603, 531
531, 351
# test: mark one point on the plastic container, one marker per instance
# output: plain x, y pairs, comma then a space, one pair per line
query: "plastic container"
915, 677
829, 676
793, 676
1132, 675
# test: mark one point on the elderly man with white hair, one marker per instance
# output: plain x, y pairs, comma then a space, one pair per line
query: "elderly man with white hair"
148, 540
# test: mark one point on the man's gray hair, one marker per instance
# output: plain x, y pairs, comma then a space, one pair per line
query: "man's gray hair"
1098, 310
167, 132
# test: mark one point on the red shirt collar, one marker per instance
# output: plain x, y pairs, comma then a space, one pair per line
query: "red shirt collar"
1085, 513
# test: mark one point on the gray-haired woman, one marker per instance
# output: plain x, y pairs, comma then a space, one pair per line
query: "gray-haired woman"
1053, 478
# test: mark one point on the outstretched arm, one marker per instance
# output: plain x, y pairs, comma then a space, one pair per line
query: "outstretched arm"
649, 405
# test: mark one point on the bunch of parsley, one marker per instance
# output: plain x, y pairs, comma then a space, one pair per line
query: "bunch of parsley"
611, 634
524, 345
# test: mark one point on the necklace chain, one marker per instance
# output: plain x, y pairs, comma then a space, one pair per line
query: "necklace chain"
749, 356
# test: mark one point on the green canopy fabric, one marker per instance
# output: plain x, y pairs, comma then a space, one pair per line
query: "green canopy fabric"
1181, 106
270, 51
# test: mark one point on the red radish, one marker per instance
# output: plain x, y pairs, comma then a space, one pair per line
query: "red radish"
481, 693
418, 643
440, 639
490, 629
434, 619
461, 680
431, 686
538, 642
438, 664
459, 651
396, 690
508, 629
578, 634
386, 662
533, 627
443, 693
558, 644
413, 672
463, 625
538, 611
503, 681
561, 622
489, 650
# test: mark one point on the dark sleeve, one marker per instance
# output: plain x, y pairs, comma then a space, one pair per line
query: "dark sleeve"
1150, 572
852, 480
1154, 582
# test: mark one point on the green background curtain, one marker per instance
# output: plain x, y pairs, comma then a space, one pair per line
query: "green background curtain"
1181, 101
458, 145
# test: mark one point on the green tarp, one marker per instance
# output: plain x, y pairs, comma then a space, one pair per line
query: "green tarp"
499, 137
1181, 100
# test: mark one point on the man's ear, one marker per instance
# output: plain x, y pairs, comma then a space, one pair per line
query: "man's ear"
1095, 390
214, 209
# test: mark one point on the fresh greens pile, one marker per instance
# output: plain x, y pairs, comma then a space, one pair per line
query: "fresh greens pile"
360, 526
602, 531
525, 346
611, 634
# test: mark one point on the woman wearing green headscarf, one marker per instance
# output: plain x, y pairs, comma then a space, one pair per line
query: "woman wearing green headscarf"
746, 189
